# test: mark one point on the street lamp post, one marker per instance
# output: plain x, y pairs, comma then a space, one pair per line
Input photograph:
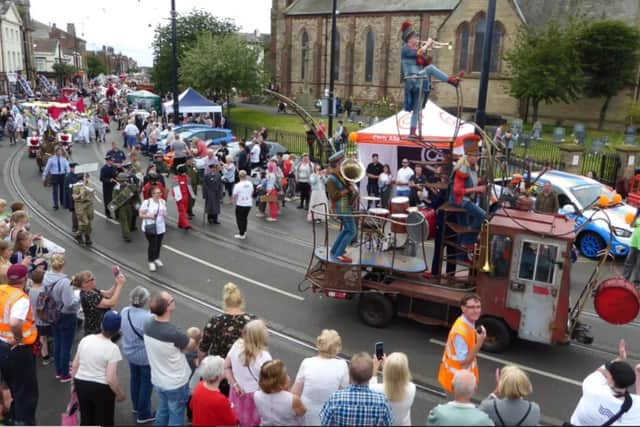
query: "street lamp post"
331, 65
481, 112
174, 41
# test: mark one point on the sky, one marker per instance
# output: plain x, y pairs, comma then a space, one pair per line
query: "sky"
128, 25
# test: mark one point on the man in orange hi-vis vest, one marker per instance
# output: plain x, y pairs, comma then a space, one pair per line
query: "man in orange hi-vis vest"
17, 334
463, 343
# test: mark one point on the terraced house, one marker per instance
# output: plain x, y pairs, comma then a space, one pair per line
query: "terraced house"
368, 48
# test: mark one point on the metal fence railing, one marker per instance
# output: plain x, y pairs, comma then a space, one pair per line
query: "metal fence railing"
603, 165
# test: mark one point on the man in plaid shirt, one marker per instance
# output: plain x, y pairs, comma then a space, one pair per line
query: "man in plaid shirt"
357, 405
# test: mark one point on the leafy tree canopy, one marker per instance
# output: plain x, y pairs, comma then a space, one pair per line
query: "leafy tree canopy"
545, 66
95, 65
220, 64
188, 28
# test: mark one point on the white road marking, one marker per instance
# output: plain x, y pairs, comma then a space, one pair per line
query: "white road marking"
101, 215
524, 368
233, 274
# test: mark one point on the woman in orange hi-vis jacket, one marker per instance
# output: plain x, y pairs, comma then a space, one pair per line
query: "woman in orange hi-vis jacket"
463, 343
182, 196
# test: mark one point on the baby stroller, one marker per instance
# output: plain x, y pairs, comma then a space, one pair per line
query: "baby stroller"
282, 108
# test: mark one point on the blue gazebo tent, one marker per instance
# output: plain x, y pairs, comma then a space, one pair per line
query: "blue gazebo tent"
191, 101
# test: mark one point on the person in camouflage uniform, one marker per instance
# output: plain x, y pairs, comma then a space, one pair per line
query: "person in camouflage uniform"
196, 180
135, 180
82, 194
124, 212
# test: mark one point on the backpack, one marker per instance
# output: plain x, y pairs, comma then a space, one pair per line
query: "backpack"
47, 307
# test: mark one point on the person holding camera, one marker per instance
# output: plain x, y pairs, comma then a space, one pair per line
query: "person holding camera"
96, 302
463, 343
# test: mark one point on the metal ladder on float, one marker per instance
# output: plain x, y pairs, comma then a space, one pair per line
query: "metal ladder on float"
24, 87
452, 252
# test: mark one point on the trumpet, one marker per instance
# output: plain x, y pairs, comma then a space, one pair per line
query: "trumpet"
435, 44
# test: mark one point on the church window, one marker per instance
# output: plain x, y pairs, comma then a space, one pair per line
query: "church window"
368, 61
305, 56
463, 46
478, 44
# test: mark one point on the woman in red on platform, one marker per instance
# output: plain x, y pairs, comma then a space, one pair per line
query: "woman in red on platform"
208, 405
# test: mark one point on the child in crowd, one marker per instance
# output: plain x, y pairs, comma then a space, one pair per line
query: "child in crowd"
195, 334
17, 206
4, 213
4, 231
44, 329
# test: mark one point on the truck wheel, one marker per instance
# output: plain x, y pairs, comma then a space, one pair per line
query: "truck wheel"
590, 244
375, 310
498, 334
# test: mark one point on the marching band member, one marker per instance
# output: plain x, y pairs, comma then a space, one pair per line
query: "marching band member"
82, 194
341, 195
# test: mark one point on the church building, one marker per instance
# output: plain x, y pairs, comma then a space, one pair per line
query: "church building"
368, 43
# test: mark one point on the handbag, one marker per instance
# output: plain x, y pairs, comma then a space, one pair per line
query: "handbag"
152, 228
70, 416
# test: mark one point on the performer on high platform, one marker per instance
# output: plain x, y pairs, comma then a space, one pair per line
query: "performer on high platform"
342, 196
416, 63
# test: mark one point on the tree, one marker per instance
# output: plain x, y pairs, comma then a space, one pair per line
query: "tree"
63, 71
544, 66
609, 55
95, 65
188, 28
220, 64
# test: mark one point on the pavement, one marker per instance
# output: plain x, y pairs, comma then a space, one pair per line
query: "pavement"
269, 267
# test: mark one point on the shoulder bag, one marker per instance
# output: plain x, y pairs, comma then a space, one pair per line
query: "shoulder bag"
502, 423
152, 228
133, 327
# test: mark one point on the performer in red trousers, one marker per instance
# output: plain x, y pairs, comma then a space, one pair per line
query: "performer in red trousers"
183, 182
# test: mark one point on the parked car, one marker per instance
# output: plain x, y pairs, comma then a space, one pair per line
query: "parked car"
577, 196
180, 128
274, 148
212, 136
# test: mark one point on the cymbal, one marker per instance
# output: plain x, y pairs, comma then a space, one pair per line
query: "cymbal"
371, 198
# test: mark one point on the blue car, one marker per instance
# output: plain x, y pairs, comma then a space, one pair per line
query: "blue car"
578, 196
212, 136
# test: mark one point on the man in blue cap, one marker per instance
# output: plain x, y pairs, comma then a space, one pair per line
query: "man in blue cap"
342, 197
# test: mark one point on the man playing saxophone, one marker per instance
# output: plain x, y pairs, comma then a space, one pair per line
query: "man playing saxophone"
342, 195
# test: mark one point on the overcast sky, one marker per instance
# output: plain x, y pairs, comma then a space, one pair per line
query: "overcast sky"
128, 25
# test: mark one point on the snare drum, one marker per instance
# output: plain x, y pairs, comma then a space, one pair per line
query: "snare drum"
399, 204
399, 218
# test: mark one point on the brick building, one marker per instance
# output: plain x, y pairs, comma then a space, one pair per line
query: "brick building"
368, 48
116, 63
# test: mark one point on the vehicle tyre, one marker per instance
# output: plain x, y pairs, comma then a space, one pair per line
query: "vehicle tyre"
590, 244
375, 310
498, 334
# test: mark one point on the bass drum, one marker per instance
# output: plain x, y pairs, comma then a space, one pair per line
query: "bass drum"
617, 301
424, 224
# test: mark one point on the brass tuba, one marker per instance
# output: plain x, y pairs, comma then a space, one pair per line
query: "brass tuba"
352, 172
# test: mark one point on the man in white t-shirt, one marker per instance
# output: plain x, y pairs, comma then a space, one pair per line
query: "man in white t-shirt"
604, 393
243, 198
166, 346
255, 154
402, 179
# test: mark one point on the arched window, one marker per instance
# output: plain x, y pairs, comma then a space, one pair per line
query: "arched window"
463, 46
336, 58
368, 59
478, 44
304, 56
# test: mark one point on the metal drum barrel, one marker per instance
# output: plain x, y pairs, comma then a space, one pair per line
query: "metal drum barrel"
379, 212
399, 224
399, 204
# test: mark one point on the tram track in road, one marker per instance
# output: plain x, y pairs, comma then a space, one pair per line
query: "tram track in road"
18, 192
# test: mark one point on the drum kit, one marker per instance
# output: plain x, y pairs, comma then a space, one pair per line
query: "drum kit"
407, 223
